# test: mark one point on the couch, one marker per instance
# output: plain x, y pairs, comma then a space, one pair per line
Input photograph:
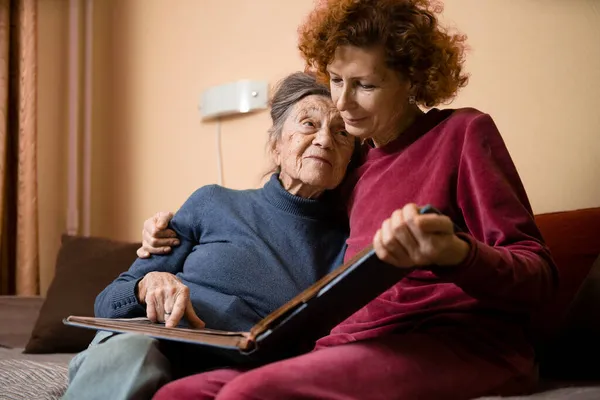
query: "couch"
35, 347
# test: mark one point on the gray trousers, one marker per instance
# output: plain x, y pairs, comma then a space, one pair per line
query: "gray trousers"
118, 367
133, 367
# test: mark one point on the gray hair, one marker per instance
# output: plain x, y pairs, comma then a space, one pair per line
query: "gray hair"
291, 90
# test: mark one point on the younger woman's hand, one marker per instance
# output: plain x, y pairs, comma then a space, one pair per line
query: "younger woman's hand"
408, 239
156, 238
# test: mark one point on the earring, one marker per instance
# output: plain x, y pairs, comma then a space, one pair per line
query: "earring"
412, 100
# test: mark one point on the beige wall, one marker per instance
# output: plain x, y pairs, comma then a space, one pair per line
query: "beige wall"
535, 68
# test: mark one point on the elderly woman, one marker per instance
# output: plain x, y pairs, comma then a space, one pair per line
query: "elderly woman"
456, 327
242, 253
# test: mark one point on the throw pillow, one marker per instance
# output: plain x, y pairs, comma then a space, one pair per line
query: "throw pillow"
84, 267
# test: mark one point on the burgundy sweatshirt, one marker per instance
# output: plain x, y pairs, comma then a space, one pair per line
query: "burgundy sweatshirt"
457, 161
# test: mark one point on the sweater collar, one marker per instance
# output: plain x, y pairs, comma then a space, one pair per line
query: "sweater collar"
284, 200
421, 126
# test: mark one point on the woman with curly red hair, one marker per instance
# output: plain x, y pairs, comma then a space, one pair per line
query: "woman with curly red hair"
456, 327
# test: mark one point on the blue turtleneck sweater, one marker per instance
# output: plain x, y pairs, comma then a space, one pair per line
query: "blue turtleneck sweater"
243, 253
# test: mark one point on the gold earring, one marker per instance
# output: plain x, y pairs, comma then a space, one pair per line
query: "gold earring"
412, 100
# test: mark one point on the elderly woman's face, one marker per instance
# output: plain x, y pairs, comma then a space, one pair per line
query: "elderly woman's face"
372, 98
314, 148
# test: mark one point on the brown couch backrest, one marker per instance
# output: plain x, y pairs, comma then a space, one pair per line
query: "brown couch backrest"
574, 240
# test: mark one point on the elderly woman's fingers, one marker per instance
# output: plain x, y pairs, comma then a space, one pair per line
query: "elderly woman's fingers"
150, 306
167, 299
159, 304
181, 298
171, 293
191, 317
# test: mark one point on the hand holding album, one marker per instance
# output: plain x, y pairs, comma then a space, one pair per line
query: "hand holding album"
419, 237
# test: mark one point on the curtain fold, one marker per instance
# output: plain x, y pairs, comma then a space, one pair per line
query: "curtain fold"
19, 254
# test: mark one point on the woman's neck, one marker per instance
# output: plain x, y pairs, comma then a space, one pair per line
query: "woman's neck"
299, 188
380, 140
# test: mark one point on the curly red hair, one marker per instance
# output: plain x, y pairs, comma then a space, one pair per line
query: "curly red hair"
414, 42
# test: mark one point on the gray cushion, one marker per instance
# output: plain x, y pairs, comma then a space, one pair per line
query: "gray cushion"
32, 380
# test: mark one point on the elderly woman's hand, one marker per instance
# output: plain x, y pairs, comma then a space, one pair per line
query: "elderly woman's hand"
167, 300
156, 238
408, 239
